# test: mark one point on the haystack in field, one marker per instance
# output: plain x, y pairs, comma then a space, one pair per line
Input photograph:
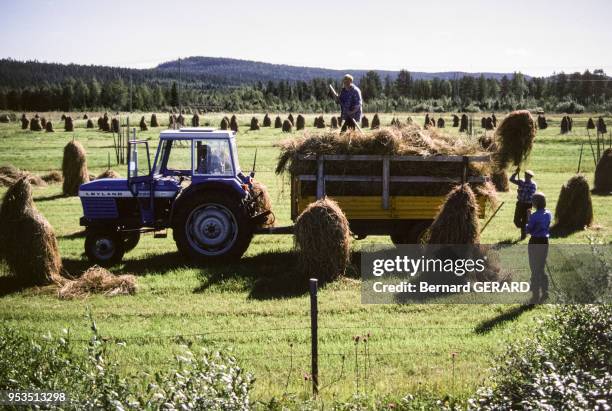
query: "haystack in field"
115, 125
500, 180
278, 123
300, 122
143, 124
489, 124
574, 209
263, 202
10, 174
515, 135
5, 118
457, 220
483, 122
494, 119
603, 174
63, 117
90, 123
323, 240
291, 119
570, 122
224, 124
601, 126
85, 117
25, 123
43, 122
267, 121
68, 124
254, 124
375, 122
108, 173
180, 120
52, 177
315, 122
234, 124
590, 124
74, 168
365, 122
287, 126
441, 123
334, 122
35, 124
27, 241
321, 122
195, 120
455, 120
542, 123
154, 122
427, 122
463, 126
98, 280
565, 128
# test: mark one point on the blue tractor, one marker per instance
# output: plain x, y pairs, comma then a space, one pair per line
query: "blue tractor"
193, 186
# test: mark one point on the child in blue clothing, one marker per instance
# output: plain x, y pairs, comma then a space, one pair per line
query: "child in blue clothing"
539, 229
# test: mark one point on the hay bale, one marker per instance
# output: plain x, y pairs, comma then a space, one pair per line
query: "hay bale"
90, 123
278, 123
52, 177
10, 174
316, 122
574, 209
300, 122
43, 122
570, 122
108, 173
463, 125
224, 124
195, 120
254, 124
590, 124
290, 118
321, 123
68, 124
5, 118
365, 122
263, 202
483, 122
25, 123
334, 122
375, 122
542, 123
601, 126
98, 280
180, 120
494, 119
115, 125
455, 120
323, 240
603, 174
35, 124
49, 127
441, 122
143, 124
515, 136
27, 241
287, 126
457, 220
154, 122
489, 124
427, 122
74, 168
234, 124
63, 117
267, 121
565, 128
500, 180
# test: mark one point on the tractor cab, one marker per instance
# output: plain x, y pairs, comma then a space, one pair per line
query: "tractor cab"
189, 163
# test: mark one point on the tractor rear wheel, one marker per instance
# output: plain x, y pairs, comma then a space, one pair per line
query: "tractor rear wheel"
211, 227
130, 240
105, 248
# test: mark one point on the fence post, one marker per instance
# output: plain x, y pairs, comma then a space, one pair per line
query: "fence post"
314, 336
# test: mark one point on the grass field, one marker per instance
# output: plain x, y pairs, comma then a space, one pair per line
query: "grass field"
248, 307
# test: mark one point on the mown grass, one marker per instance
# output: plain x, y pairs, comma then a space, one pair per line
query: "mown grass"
251, 308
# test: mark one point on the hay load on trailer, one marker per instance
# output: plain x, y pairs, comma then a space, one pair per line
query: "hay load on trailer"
397, 176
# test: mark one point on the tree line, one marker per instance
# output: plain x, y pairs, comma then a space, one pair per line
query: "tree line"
562, 92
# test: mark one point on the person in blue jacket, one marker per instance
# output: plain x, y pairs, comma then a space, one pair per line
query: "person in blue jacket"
538, 228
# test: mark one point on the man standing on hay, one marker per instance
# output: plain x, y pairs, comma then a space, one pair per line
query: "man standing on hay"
525, 192
350, 103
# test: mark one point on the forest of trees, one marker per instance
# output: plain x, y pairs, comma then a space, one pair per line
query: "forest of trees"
82, 88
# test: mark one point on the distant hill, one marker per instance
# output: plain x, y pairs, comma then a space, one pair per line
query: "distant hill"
245, 71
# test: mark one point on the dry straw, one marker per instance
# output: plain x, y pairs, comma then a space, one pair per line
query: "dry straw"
287, 126
334, 122
90, 123
603, 174
300, 122
68, 124
35, 124
574, 209
455, 120
25, 123
143, 124
27, 241
108, 173
254, 124
97, 280
267, 122
10, 174
514, 138
290, 118
441, 123
278, 123
365, 122
463, 126
195, 120
74, 168
53, 177
154, 122
323, 240
590, 124
565, 128
542, 123
601, 126
375, 122
321, 122
234, 124
224, 124
263, 202
500, 180
457, 220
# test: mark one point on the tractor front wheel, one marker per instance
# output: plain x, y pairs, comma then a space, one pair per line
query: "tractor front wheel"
105, 248
211, 227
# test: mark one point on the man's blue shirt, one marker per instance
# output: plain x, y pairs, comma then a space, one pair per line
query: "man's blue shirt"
349, 100
526, 189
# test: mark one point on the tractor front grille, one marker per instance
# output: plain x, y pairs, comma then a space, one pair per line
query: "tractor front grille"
99, 208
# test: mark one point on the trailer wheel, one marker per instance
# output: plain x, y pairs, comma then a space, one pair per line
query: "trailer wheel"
105, 248
130, 240
211, 227
411, 234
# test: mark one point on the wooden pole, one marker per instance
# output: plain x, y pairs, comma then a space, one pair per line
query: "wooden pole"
314, 331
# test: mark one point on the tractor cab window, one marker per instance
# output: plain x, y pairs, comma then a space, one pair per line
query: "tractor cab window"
213, 156
178, 157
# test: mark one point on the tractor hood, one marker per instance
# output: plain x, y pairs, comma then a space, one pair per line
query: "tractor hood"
104, 185
118, 187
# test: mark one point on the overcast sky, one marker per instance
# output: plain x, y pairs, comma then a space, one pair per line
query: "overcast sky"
535, 37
